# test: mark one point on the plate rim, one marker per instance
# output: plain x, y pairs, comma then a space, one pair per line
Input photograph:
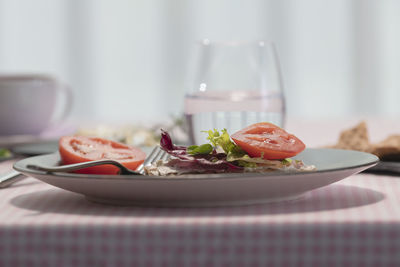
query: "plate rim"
271, 175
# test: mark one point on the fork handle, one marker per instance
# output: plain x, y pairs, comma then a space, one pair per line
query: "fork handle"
78, 166
10, 178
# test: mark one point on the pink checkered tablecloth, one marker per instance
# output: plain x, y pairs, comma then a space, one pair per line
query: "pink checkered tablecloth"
355, 222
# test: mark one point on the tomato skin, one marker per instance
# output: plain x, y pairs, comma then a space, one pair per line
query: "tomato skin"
268, 140
76, 149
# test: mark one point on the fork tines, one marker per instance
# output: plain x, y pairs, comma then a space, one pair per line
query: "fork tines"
156, 154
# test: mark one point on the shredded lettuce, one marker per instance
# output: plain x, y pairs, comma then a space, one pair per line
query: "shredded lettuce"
286, 162
219, 154
213, 161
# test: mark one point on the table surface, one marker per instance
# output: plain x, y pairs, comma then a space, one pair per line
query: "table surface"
353, 222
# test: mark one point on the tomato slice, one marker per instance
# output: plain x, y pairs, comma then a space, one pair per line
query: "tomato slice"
268, 140
75, 149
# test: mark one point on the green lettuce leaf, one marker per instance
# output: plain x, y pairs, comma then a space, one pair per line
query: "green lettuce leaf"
223, 140
233, 152
204, 149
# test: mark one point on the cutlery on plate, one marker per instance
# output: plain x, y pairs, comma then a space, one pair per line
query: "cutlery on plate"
23, 149
155, 155
10, 178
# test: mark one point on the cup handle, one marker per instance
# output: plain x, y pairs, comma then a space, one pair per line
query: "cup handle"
68, 100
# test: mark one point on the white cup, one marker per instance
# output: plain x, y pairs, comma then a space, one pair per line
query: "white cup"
29, 104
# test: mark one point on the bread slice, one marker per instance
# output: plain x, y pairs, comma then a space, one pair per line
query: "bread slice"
355, 138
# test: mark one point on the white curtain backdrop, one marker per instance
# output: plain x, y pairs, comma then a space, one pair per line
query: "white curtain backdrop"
126, 60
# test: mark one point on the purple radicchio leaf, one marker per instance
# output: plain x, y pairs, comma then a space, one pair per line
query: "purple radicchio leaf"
166, 141
168, 146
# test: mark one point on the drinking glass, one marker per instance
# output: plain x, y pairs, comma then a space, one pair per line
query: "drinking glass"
233, 85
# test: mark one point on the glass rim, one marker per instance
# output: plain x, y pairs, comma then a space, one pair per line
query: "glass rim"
235, 43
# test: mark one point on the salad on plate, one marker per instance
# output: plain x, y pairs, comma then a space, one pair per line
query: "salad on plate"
261, 147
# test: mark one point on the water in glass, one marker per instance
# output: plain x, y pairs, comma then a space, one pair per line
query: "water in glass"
217, 103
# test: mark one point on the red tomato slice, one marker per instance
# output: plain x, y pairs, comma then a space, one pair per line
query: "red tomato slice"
75, 149
269, 140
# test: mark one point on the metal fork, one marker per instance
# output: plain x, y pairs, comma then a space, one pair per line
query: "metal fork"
154, 156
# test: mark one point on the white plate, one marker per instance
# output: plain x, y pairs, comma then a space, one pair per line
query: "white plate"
200, 190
